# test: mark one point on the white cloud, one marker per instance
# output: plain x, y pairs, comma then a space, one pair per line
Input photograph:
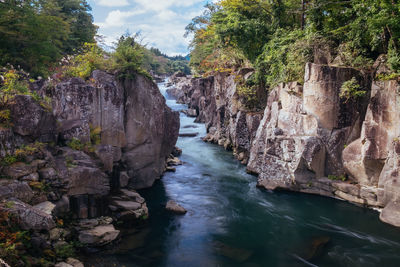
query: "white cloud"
118, 18
158, 5
161, 22
112, 3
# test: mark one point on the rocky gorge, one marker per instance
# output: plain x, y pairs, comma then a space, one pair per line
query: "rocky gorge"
70, 168
307, 137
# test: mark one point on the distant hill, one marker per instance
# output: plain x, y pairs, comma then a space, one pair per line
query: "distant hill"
159, 63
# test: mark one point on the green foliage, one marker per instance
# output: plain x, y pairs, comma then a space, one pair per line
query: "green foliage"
89, 59
154, 61
128, 57
65, 251
247, 92
394, 58
351, 90
16, 84
337, 178
5, 118
36, 34
284, 58
39, 186
278, 37
13, 241
95, 135
21, 153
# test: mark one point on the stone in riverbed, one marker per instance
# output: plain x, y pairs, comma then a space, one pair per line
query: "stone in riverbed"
188, 134
174, 161
391, 213
99, 236
175, 207
190, 112
127, 205
236, 254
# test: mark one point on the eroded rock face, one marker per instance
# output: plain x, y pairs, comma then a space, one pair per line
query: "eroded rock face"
136, 125
308, 133
216, 103
287, 150
31, 121
151, 132
365, 158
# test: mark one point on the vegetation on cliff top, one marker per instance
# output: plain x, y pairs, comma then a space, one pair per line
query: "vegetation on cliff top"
36, 34
278, 37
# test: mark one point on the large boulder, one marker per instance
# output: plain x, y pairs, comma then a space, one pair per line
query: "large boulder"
29, 218
99, 236
14, 189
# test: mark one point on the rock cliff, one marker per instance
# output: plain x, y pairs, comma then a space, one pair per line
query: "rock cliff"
84, 157
309, 139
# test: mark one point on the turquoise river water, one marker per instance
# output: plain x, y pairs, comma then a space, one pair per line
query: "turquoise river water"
230, 222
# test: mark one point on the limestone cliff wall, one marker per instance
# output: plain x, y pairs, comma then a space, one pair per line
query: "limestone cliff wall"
308, 138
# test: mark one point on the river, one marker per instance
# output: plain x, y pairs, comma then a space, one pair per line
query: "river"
230, 222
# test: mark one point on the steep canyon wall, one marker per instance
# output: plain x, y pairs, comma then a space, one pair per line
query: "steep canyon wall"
309, 139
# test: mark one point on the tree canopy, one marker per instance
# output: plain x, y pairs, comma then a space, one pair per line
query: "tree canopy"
35, 34
278, 36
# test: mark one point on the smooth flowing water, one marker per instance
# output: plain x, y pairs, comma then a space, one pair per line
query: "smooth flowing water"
232, 223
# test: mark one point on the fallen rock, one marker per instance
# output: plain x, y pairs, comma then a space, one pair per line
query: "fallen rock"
174, 161
18, 170
63, 264
127, 205
391, 214
123, 179
132, 195
33, 177
188, 134
99, 236
177, 152
190, 112
47, 207
15, 189
170, 169
74, 262
47, 174
175, 207
30, 218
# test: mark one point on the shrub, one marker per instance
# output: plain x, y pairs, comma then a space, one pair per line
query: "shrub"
351, 90
337, 178
76, 144
95, 135
13, 241
284, 57
128, 57
5, 118
65, 251
21, 153
91, 57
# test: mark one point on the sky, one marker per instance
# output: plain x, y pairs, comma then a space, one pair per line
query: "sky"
161, 22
